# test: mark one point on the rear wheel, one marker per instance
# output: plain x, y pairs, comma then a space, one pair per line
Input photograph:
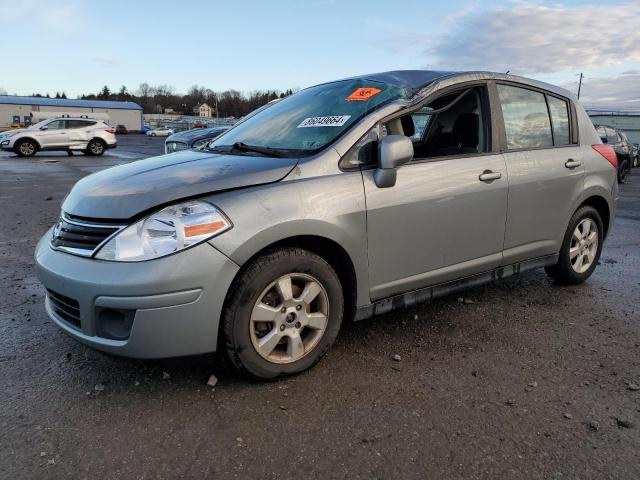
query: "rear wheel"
26, 148
283, 313
580, 249
95, 147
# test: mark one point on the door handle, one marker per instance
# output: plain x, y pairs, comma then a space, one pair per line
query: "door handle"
571, 163
489, 176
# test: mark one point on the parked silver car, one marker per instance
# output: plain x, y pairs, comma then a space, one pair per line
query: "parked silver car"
345, 200
83, 134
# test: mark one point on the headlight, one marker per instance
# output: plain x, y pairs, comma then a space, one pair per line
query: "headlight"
167, 231
200, 143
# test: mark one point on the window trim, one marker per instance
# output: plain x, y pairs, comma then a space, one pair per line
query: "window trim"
573, 130
487, 108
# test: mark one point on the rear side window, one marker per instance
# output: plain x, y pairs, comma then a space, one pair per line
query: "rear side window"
526, 119
79, 123
559, 111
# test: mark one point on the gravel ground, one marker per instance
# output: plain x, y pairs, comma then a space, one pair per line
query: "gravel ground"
516, 380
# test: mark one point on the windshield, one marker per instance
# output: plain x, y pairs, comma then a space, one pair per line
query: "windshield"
311, 119
40, 124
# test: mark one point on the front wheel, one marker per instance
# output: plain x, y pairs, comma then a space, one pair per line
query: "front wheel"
283, 313
580, 249
26, 148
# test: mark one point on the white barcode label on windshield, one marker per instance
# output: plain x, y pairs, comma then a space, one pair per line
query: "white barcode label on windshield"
332, 121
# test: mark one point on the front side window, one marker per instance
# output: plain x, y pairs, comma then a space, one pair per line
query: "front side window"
311, 119
458, 128
526, 119
559, 120
56, 125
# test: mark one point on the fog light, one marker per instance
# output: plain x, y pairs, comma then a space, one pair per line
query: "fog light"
115, 324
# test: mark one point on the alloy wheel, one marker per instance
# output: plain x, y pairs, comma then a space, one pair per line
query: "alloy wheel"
96, 148
289, 318
27, 148
584, 245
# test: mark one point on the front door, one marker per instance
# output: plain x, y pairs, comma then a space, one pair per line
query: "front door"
55, 135
445, 217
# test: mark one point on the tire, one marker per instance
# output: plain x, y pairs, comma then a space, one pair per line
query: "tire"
95, 148
26, 148
295, 346
623, 171
565, 272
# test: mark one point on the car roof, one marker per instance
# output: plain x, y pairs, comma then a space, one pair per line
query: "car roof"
74, 118
416, 80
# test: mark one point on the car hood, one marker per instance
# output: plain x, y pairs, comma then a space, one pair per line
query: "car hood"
194, 134
124, 191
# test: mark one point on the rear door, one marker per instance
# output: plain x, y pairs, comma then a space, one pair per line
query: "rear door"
546, 171
79, 131
445, 217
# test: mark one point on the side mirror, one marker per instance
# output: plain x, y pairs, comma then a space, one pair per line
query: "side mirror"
395, 151
44, 127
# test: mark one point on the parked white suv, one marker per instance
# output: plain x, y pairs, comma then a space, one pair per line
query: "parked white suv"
87, 135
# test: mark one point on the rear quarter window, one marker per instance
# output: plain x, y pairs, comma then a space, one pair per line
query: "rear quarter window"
559, 112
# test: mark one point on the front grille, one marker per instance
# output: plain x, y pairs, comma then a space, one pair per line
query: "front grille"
170, 147
66, 308
81, 238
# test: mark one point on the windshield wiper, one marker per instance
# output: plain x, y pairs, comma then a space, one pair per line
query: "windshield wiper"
270, 152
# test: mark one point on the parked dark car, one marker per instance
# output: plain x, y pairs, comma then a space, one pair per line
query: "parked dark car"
621, 144
636, 155
197, 137
121, 130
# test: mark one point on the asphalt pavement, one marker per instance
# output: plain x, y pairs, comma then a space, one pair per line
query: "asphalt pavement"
522, 379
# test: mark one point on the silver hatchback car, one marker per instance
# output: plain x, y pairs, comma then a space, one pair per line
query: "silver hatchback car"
343, 201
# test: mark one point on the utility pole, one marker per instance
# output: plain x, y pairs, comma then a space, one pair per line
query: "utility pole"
579, 85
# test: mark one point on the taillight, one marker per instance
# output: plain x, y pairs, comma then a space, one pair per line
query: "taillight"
607, 152
110, 130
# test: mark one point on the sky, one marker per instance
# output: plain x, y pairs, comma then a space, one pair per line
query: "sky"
77, 46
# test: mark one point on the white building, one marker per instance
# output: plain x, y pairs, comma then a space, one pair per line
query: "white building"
20, 111
203, 110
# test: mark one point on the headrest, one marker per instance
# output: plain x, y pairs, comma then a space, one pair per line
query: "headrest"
408, 127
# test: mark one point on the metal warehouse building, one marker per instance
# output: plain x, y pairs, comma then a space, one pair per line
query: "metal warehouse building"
22, 111
626, 120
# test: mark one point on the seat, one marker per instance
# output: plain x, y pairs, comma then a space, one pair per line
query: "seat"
464, 137
408, 127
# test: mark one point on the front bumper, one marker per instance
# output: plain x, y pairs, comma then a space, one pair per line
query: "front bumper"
175, 301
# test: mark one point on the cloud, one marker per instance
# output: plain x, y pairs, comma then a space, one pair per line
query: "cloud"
610, 92
529, 38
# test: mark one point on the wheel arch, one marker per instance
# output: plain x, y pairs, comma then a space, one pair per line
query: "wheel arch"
602, 207
331, 251
22, 139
